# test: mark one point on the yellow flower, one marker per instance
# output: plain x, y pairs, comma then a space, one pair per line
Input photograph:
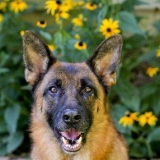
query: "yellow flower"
1, 18
158, 53
91, 6
3, 6
61, 6
66, 5
151, 71
51, 6
147, 118
78, 21
77, 36
22, 33
63, 15
18, 6
42, 23
80, 45
51, 47
128, 119
109, 27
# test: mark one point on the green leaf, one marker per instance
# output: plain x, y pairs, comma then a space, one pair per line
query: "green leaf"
3, 150
147, 56
130, 4
46, 35
148, 90
156, 105
65, 35
128, 23
3, 127
4, 70
117, 112
154, 135
128, 94
11, 116
101, 15
58, 39
137, 150
15, 141
157, 26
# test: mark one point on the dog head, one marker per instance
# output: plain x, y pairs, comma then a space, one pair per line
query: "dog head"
69, 95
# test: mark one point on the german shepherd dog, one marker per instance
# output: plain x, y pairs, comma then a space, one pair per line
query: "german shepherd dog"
70, 117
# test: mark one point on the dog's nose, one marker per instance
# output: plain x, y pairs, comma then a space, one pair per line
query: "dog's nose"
71, 116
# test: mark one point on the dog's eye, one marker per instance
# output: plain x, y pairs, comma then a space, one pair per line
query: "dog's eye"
88, 89
53, 89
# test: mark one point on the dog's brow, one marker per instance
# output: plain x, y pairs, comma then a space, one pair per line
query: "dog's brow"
54, 81
85, 81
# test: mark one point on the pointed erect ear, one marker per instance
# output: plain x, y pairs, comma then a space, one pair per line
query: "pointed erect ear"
106, 59
37, 57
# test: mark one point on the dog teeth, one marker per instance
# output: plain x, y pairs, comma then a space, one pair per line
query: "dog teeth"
72, 146
79, 140
69, 146
64, 140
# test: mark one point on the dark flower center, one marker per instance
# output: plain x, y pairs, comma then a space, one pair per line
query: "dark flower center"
91, 4
108, 30
58, 2
128, 115
42, 22
80, 43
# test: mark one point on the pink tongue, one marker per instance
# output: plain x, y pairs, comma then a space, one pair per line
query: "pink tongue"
70, 134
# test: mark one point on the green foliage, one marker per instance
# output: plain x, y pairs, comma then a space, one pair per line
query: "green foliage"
135, 91
128, 23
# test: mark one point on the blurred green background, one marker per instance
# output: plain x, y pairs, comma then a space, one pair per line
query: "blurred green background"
137, 89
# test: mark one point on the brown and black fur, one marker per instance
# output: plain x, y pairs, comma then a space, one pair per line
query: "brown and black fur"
70, 99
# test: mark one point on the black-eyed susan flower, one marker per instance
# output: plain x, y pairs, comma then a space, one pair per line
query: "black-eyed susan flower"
21, 33
90, 6
151, 71
109, 27
52, 5
1, 18
3, 6
42, 23
66, 6
18, 6
158, 52
80, 45
78, 21
128, 119
147, 118
51, 47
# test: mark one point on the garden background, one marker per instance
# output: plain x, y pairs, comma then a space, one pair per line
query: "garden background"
72, 30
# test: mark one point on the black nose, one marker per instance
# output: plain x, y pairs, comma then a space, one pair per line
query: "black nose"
71, 116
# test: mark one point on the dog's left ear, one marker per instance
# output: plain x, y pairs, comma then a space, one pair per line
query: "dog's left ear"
37, 57
105, 60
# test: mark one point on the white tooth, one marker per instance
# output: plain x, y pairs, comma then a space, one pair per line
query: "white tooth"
64, 140
79, 140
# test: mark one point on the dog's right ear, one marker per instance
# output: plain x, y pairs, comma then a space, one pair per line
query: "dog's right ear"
37, 57
105, 60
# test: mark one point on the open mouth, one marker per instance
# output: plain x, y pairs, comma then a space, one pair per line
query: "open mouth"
71, 140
